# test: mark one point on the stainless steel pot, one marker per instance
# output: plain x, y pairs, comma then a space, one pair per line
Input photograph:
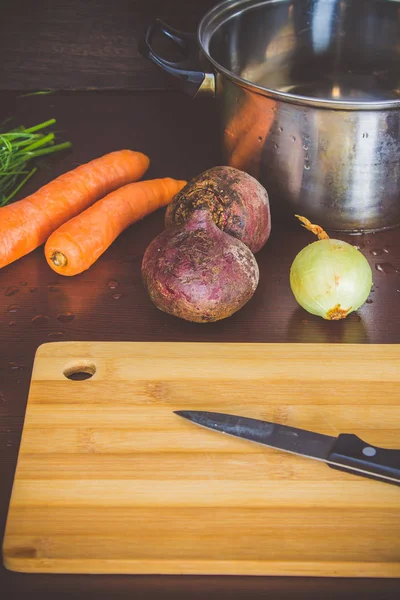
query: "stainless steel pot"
309, 98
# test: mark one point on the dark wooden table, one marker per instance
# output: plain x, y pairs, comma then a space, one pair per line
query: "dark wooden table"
108, 302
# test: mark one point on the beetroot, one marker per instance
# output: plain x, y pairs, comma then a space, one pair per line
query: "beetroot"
197, 272
238, 203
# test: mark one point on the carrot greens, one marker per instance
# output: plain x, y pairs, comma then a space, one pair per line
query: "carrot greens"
18, 148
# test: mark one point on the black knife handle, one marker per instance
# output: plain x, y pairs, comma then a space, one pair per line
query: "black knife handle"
350, 453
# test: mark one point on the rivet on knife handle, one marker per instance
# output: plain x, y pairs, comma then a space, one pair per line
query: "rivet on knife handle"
352, 454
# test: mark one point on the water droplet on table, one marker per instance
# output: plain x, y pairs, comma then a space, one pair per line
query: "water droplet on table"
307, 166
369, 301
66, 317
52, 288
16, 367
13, 308
377, 252
23, 283
41, 320
117, 296
12, 324
32, 290
386, 268
113, 284
11, 291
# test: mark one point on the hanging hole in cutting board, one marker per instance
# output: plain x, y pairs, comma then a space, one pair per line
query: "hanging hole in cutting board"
80, 371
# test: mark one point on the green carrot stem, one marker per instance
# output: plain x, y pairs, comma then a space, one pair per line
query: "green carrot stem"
7, 185
25, 140
20, 133
6, 142
41, 152
38, 143
13, 173
40, 126
17, 148
50, 150
16, 190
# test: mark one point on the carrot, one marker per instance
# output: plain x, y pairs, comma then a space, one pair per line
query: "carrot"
77, 244
27, 224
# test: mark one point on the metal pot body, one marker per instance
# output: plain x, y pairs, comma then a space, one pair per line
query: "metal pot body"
309, 98
339, 168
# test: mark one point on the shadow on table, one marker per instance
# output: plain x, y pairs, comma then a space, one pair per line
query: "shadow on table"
306, 328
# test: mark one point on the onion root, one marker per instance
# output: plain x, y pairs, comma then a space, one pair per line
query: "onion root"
315, 229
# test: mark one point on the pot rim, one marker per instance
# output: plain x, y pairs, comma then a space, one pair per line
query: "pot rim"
214, 19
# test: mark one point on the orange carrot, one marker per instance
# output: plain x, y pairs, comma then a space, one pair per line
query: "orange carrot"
77, 244
27, 224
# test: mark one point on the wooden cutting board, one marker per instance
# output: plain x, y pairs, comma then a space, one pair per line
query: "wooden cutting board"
109, 480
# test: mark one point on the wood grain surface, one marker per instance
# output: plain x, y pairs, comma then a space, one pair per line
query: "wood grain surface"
86, 44
93, 44
108, 302
110, 480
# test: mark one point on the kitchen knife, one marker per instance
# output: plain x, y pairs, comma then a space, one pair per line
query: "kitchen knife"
347, 452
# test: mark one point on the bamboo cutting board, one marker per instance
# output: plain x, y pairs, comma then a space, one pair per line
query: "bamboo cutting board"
109, 480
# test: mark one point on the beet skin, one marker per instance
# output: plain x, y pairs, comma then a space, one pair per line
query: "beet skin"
199, 273
238, 203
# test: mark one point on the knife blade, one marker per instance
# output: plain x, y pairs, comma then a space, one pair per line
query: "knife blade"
346, 452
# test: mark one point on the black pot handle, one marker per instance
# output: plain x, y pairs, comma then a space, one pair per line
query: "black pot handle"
189, 72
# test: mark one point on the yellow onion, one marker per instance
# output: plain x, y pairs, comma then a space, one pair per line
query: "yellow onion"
330, 278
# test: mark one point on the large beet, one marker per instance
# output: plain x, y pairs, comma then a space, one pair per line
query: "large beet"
199, 273
238, 203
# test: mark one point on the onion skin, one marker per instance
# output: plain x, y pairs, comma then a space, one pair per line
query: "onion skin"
238, 203
330, 278
199, 273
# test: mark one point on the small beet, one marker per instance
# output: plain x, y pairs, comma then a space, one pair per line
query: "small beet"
199, 273
238, 203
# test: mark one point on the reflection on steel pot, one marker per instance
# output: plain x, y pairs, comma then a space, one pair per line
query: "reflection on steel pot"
309, 98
